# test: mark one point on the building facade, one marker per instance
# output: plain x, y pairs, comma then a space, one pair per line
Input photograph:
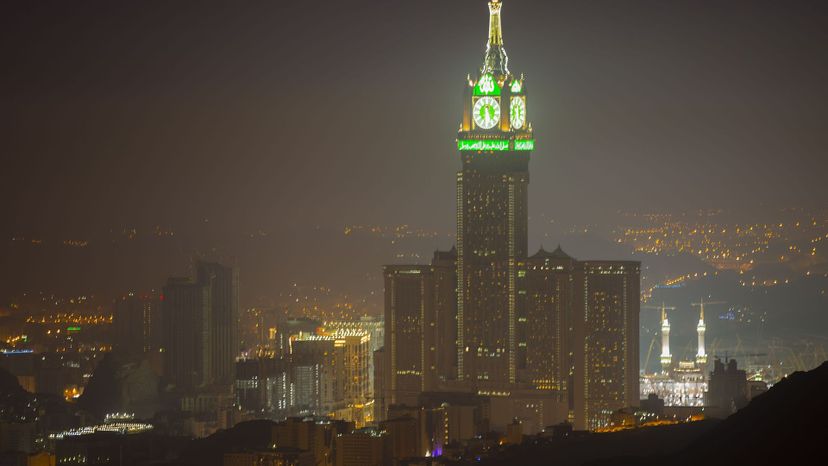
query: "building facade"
605, 340
200, 318
408, 305
138, 322
544, 330
186, 309
332, 375
421, 328
223, 283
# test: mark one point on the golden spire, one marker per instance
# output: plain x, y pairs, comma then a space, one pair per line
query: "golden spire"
496, 59
495, 34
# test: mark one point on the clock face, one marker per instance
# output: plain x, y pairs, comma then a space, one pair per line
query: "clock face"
517, 113
486, 112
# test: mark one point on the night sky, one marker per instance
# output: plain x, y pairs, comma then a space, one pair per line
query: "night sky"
262, 114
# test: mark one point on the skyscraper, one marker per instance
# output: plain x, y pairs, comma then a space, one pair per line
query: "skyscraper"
314, 384
526, 330
549, 286
408, 300
375, 328
331, 373
443, 325
201, 327
138, 322
421, 323
605, 340
494, 141
187, 321
223, 283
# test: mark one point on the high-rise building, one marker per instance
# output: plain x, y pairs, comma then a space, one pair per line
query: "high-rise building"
138, 322
201, 327
372, 326
380, 379
605, 340
314, 382
223, 283
187, 320
526, 330
442, 326
354, 356
408, 301
421, 323
494, 141
259, 384
544, 330
332, 373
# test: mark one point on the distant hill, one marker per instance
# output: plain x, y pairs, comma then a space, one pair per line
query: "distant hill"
250, 435
788, 421
15, 402
620, 446
9, 383
785, 423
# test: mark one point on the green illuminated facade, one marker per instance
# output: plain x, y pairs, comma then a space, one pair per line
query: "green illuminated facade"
486, 145
495, 141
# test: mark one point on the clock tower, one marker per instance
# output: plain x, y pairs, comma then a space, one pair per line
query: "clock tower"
495, 141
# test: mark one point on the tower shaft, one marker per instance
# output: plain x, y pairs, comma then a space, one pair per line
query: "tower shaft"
492, 220
666, 357
701, 354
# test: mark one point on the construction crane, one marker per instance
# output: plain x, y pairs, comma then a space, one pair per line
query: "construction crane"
649, 352
659, 308
703, 303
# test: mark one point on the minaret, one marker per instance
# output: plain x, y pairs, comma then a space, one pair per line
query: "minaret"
701, 355
666, 357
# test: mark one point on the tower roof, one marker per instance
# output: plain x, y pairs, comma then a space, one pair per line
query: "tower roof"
442, 256
496, 60
558, 253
